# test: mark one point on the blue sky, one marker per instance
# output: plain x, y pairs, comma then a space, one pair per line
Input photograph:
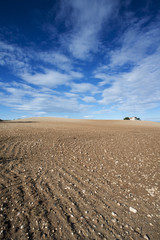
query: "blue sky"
96, 59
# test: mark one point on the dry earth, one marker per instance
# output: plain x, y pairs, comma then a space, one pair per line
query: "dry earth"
79, 179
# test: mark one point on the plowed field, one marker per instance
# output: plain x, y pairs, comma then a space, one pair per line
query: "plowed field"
79, 179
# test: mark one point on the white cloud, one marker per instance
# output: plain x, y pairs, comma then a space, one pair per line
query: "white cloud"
57, 59
84, 87
14, 57
88, 117
89, 99
6, 47
137, 90
104, 77
136, 43
71, 95
14, 94
83, 43
37, 100
103, 111
52, 103
20, 62
86, 21
134, 88
49, 78
76, 74
133, 72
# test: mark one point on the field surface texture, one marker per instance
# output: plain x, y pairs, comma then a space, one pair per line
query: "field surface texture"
79, 179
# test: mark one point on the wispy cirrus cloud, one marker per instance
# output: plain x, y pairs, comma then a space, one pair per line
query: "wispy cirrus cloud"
83, 88
14, 58
131, 79
105, 78
98, 53
26, 59
20, 62
34, 89
86, 20
56, 59
21, 97
89, 99
49, 78
136, 43
138, 89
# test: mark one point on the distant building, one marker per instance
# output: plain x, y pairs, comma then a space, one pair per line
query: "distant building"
131, 118
134, 118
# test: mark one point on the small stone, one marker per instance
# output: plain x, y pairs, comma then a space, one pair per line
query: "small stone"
114, 214
132, 210
114, 220
146, 237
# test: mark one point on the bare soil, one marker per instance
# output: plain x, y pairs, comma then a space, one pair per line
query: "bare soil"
79, 179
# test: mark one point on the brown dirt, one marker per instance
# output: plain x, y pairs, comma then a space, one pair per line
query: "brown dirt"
79, 179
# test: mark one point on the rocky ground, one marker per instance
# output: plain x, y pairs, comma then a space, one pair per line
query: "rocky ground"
79, 179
